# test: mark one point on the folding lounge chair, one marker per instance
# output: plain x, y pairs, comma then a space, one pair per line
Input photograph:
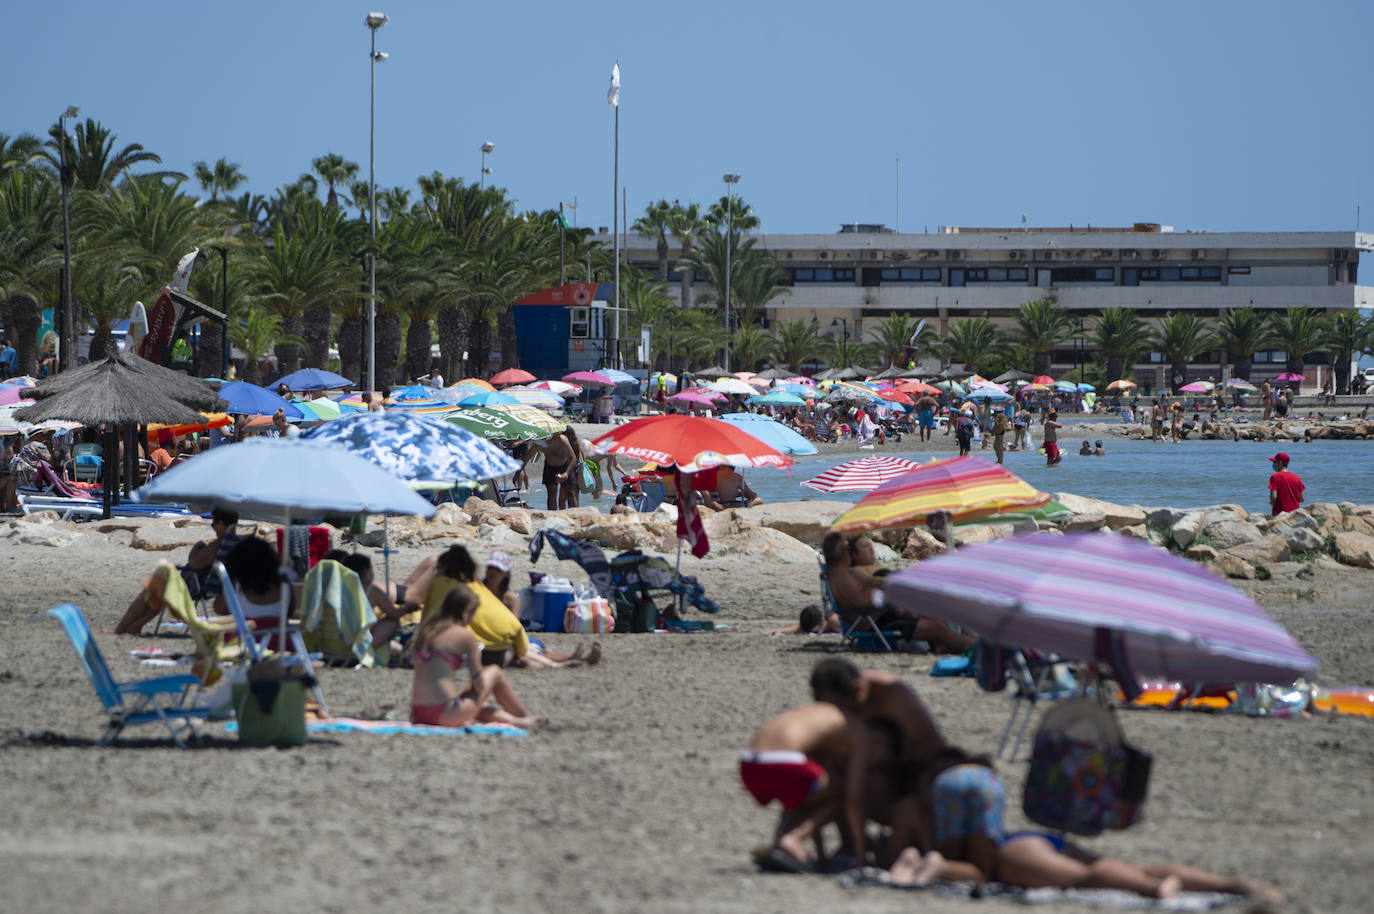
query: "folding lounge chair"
858, 629
253, 639
129, 704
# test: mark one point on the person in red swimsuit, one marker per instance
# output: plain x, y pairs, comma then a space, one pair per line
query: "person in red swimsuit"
794, 759
1285, 486
444, 645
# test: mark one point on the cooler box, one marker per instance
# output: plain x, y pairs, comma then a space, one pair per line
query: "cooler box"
551, 599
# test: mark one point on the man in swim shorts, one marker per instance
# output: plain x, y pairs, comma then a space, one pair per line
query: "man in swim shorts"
797, 758
558, 455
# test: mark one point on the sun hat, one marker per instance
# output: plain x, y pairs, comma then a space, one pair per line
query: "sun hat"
1280, 456
499, 560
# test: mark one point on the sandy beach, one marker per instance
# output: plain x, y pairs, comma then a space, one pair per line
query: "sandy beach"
629, 802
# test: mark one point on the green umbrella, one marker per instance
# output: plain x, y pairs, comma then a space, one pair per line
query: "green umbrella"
506, 423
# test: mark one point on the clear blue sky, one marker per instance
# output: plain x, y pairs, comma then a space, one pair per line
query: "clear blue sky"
1213, 115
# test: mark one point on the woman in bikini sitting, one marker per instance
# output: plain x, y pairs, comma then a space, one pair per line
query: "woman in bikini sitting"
444, 645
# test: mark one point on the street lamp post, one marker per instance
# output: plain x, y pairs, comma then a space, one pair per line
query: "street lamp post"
66, 328
224, 306
487, 147
374, 22
730, 180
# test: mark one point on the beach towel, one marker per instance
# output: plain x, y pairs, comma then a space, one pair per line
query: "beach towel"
1088, 898
393, 727
333, 589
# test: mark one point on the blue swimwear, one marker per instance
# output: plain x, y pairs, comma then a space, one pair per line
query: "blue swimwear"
967, 800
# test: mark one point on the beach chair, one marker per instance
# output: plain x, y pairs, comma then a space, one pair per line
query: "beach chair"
287, 631
652, 494
128, 704
858, 629
1034, 677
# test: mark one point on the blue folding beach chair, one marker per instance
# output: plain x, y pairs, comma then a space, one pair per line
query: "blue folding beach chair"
128, 704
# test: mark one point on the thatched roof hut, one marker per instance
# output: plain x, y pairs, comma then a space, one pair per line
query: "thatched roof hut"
120, 391
174, 385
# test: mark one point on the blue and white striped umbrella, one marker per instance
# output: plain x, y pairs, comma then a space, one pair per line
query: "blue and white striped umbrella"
426, 452
533, 396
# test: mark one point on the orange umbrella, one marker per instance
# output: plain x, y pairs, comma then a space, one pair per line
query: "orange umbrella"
485, 385
212, 420
896, 396
512, 376
918, 389
693, 443
1042, 379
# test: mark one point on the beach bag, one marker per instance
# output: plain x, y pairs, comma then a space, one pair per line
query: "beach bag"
588, 613
1083, 778
269, 705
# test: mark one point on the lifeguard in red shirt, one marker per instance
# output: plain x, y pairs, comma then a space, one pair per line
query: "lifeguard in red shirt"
1285, 486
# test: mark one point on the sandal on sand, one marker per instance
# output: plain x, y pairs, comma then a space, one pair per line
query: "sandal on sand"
777, 860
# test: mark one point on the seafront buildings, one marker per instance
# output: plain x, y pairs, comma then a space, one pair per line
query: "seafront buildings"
862, 273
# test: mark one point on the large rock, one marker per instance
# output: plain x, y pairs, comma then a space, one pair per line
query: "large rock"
1265, 551
1090, 520
666, 513
1201, 552
618, 536
1355, 549
1327, 515
1227, 533
166, 539
1301, 539
766, 543
981, 533
39, 517
921, 544
807, 521
1113, 515
1233, 566
450, 514
499, 536
1184, 527
1358, 523
727, 523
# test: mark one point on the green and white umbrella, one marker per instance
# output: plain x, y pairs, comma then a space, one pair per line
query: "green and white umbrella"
508, 422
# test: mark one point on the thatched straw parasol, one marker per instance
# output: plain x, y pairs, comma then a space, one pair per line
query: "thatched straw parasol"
172, 384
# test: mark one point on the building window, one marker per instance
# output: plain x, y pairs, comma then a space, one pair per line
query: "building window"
823, 274
1238, 271
910, 274
1270, 356
1134, 276
579, 324
1063, 275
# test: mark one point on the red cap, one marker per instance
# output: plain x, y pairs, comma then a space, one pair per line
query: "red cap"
1279, 456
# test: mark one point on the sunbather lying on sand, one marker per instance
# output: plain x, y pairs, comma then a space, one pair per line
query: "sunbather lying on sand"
964, 799
799, 759
443, 646
811, 622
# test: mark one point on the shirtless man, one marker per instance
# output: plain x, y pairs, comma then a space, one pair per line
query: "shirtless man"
811, 759
731, 491
871, 694
558, 456
1052, 427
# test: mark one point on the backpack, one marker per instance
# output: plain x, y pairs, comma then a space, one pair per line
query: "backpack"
1083, 777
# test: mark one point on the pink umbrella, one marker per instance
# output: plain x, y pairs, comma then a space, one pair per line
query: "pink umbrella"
861, 475
698, 399
710, 393
1197, 387
562, 388
15, 397
588, 377
1290, 376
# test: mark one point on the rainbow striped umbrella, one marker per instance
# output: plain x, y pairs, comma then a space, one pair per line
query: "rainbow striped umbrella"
965, 488
1240, 384
861, 475
419, 400
1056, 593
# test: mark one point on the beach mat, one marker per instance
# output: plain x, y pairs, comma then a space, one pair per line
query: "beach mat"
1117, 899
393, 727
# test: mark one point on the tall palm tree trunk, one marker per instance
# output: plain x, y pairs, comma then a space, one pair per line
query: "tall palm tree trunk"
289, 354
316, 334
418, 343
1243, 365
101, 344
22, 317
478, 331
1178, 374
351, 349
1115, 365
209, 349
388, 347
1041, 363
453, 341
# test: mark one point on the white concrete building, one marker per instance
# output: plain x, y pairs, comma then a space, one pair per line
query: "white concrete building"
864, 273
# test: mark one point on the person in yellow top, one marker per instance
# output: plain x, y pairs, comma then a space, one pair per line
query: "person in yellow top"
502, 636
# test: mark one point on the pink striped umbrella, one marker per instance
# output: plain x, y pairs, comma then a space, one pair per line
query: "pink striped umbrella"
860, 475
1056, 593
698, 399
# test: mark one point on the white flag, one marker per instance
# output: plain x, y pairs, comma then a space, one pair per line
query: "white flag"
613, 95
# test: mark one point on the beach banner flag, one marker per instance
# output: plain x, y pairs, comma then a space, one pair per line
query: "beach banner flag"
162, 320
689, 525
613, 94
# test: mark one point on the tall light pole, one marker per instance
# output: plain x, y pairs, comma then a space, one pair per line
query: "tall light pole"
374, 22
730, 179
487, 147
66, 329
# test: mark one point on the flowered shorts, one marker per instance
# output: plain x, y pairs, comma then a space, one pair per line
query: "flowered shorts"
967, 800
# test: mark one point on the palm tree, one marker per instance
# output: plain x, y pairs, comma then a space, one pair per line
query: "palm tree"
656, 224
30, 258
223, 176
335, 171
1042, 325
1348, 334
92, 159
298, 273
742, 219
256, 332
798, 341
686, 224
20, 151
1243, 332
1121, 336
1180, 338
752, 345
1298, 331
968, 340
647, 304
844, 353
105, 290
753, 285
152, 224
892, 338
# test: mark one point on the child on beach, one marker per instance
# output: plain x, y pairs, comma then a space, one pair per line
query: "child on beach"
799, 758
1052, 427
443, 646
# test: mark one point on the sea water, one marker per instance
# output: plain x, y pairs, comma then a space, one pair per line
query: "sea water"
1149, 473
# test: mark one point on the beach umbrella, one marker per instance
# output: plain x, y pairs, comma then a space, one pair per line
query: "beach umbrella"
693, 443
1121, 384
413, 392
617, 376
561, 388
1042, 379
709, 393
1085, 386
780, 437
715, 371
848, 373
508, 422
352, 403
896, 396
425, 452
1176, 618
802, 379
414, 404
532, 396
589, 377
1240, 384
775, 374
512, 376
246, 399
687, 396
22, 380
664, 376
777, 398
862, 475
1290, 376
1012, 374
1197, 387
313, 379
15, 396
853, 391
951, 386
917, 388
1065, 386
281, 478
477, 381
733, 386
965, 488
989, 395
321, 410
487, 398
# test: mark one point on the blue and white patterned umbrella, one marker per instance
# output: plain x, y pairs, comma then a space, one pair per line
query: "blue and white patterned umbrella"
426, 452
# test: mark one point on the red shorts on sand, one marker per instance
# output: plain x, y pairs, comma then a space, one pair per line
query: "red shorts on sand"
779, 774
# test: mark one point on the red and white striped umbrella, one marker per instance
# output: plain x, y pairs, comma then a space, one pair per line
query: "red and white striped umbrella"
861, 475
